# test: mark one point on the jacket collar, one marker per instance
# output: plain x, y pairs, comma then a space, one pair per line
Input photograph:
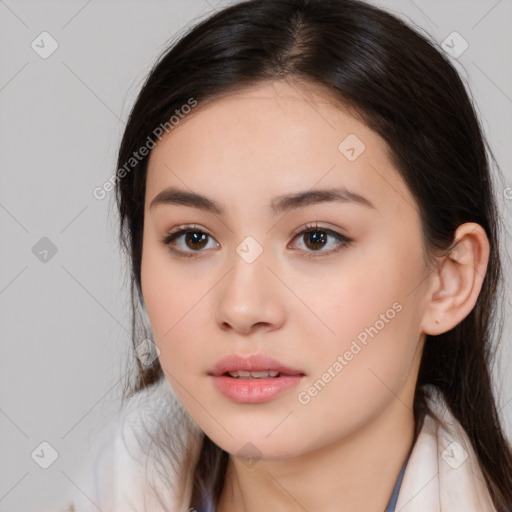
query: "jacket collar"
442, 473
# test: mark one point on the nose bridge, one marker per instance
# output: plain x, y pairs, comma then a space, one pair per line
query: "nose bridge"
248, 296
249, 279
249, 250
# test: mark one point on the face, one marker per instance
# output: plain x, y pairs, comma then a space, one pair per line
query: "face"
320, 293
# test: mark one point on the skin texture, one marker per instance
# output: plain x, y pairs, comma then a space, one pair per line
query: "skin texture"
343, 449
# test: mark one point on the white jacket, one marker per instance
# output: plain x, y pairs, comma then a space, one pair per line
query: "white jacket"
442, 474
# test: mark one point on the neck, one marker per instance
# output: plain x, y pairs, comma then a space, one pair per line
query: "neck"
355, 473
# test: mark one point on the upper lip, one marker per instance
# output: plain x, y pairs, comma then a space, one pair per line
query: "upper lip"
253, 363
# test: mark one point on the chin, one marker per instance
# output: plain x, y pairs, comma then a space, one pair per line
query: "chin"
256, 444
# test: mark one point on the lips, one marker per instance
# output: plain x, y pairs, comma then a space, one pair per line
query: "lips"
249, 367
254, 379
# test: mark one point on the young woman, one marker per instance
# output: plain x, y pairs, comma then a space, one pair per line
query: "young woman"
305, 197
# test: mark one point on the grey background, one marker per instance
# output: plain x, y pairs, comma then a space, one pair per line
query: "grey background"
65, 322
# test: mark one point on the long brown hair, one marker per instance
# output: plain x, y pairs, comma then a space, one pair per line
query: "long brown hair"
408, 92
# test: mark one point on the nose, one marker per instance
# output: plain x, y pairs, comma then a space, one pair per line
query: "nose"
250, 297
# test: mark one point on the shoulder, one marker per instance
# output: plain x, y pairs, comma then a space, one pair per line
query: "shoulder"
142, 454
443, 468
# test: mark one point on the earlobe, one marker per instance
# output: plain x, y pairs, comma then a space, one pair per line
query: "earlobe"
458, 280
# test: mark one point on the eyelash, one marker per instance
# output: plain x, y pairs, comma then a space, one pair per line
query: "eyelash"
182, 230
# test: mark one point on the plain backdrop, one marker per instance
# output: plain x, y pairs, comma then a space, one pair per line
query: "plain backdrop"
63, 295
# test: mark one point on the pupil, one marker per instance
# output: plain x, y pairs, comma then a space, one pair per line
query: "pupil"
317, 236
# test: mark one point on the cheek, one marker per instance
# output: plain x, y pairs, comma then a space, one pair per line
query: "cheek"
356, 375
173, 305
365, 291
373, 318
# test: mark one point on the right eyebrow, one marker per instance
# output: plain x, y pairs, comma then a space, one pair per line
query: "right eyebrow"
182, 197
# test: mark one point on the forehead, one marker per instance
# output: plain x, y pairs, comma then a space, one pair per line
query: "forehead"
272, 139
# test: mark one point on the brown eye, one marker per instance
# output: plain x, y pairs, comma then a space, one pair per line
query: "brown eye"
315, 239
187, 241
195, 239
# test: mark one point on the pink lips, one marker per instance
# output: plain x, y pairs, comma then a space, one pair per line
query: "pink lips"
253, 390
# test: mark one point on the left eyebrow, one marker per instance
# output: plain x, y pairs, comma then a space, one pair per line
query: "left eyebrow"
279, 204
309, 197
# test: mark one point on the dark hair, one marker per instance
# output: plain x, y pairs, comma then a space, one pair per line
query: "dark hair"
401, 86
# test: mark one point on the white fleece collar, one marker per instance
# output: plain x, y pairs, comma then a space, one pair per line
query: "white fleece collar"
442, 474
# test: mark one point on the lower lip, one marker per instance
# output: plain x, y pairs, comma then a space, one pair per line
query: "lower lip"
254, 391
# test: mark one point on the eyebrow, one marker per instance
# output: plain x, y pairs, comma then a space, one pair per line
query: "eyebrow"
279, 204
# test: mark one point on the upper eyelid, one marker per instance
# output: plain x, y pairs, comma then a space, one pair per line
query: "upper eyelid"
181, 230
311, 226
184, 228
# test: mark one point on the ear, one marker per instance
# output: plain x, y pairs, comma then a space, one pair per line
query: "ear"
458, 280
